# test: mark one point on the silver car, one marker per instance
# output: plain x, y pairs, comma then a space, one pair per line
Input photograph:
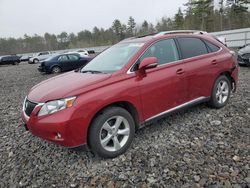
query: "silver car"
40, 57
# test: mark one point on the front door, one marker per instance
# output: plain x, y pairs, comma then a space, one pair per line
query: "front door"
63, 61
163, 87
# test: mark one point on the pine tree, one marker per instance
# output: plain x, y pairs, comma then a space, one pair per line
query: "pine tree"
131, 26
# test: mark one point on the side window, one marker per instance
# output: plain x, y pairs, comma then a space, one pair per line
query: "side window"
44, 53
191, 47
212, 47
165, 51
63, 58
73, 57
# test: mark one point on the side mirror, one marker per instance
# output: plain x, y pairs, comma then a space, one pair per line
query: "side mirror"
148, 63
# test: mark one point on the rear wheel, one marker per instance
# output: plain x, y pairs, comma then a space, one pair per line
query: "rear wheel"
35, 61
111, 132
56, 70
221, 92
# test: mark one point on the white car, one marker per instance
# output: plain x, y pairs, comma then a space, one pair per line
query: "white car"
82, 52
40, 57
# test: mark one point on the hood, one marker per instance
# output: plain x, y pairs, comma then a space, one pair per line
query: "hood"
61, 86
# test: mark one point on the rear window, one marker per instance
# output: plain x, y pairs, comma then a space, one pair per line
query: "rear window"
212, 47
191, 47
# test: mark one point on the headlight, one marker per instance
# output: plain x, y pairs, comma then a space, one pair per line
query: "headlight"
55, 106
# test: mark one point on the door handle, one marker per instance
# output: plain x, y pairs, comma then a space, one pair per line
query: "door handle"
180, 71
214, 62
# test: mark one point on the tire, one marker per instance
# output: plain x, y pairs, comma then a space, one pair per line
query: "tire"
107, 140
220, 93
15, 63
56, 70
35, 61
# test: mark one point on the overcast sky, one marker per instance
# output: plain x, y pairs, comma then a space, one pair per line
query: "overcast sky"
18, 17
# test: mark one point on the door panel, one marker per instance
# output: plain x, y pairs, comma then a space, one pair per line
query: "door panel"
74, 62
163, 87
200, 66
63, 62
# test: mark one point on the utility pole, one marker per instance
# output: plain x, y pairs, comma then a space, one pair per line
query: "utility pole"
221, 14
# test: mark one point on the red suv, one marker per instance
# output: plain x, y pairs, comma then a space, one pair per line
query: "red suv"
130, 84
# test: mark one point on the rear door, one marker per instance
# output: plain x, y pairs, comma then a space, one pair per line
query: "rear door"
74, 61
201, 65
163, 87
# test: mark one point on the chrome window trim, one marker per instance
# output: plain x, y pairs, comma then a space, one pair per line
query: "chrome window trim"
130, 72
176, 108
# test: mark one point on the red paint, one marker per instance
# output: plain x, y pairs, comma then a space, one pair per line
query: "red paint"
158, 90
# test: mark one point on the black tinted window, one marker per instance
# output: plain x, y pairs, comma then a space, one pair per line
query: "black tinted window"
191, 47
212, 47
44, 53
165, 51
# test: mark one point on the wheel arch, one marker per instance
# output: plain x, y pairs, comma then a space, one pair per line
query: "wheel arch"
35, 59
228, 75
124, 104
54, 65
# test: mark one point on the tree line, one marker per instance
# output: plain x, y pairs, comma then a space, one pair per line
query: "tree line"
198, 15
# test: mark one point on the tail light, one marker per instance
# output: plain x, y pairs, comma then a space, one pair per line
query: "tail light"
235, 62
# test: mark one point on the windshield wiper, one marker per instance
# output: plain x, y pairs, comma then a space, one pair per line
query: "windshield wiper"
92, 71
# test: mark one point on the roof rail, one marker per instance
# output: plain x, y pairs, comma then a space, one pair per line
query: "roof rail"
140, 36
179, 32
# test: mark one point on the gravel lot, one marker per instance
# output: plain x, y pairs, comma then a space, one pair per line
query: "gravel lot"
195, 148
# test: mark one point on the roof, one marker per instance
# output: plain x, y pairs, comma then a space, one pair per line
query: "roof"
146, 38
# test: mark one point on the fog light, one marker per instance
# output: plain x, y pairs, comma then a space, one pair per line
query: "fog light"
58, 135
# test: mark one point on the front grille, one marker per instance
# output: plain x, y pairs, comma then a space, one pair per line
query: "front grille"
29, 107
240, 58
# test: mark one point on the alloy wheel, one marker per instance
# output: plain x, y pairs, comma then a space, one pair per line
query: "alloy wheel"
222, 92
114, 133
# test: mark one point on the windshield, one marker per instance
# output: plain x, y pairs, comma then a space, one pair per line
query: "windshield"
114, 58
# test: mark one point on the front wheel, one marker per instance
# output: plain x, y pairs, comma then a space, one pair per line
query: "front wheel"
221, 92
111, 132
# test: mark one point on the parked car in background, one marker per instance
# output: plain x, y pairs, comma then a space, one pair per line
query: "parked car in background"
83, 53
25, 57
63, 62
129, 85
79, 53
91, 52
39, 57
10, 59
244, 56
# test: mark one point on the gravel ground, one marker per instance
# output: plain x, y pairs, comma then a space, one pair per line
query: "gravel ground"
200, 147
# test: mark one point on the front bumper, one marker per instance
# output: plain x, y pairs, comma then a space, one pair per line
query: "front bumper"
243, 61
41, 69
61, 128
